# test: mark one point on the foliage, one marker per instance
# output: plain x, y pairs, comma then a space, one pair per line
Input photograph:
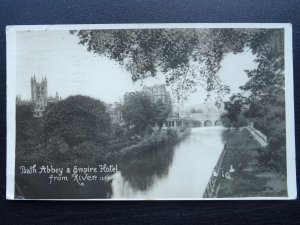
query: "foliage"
172, 134
193, 110
74, 130
267, 96
187, 57
266, 82
29, 134
235, 106
270, 119
262, 100
137, 111
150, 142
148, 130
140, 111
118, 132
239, 121
162, 111
77, 119
159, 138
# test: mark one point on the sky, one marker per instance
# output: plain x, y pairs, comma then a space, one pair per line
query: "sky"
70, 69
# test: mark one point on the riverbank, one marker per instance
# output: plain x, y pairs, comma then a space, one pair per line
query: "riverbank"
152, 142
239, 173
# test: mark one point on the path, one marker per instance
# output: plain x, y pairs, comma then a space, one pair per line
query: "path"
259, 137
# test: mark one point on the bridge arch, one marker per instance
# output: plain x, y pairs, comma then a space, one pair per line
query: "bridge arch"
207, 123
218, 123
197, 123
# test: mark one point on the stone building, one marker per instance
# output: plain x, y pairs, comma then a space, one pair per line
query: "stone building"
157, 92
39, 97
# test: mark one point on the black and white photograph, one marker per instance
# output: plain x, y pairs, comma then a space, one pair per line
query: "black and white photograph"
150, 112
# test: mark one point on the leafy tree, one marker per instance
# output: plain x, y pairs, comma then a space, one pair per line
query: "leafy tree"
141, 112
29, 135
265, 94
117, 131
187, 57
138, 111
162, 111
77, 119
226, 122
266, 82
193, 110
270, 119
265, 88
235, 106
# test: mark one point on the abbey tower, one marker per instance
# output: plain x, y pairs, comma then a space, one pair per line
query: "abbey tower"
39, 96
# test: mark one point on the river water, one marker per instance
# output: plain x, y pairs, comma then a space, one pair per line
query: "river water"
180, 171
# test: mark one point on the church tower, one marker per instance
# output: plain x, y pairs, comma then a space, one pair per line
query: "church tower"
39, 96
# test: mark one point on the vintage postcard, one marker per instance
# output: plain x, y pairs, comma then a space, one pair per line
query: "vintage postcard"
150, 112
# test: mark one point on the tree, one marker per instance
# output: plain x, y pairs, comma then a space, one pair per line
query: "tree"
194, 110
266, 82
235, 106
162, 111
29, 135
77, 119
187, 57
226, 122
265, 101
138, 111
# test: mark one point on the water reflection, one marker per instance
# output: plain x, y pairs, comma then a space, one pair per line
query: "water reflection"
181, 171
141, 171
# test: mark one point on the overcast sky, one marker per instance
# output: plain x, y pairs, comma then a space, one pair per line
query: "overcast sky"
70, 69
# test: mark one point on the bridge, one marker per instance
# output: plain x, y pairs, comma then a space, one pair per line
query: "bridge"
194, 120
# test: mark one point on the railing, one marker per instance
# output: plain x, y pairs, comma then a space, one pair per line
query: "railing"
210, 188
263, 137
258, 133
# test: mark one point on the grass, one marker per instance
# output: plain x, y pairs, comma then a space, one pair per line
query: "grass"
249, 179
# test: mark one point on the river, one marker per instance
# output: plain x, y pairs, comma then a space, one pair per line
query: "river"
180, 171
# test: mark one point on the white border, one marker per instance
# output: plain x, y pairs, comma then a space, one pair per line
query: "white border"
289, 113
289, 96
10, 111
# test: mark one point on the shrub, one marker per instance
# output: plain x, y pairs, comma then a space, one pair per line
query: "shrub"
78, 119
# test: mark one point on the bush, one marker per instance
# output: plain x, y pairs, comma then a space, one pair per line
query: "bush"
75, 129
239, 121
148, 131
118, 132
29, 135
78, 119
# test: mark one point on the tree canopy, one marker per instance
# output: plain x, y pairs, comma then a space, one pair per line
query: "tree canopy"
140, 111
162, 111
77, 119
137, 110
187, 57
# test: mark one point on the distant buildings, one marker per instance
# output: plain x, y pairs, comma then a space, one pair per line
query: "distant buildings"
39, 97
20, 101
